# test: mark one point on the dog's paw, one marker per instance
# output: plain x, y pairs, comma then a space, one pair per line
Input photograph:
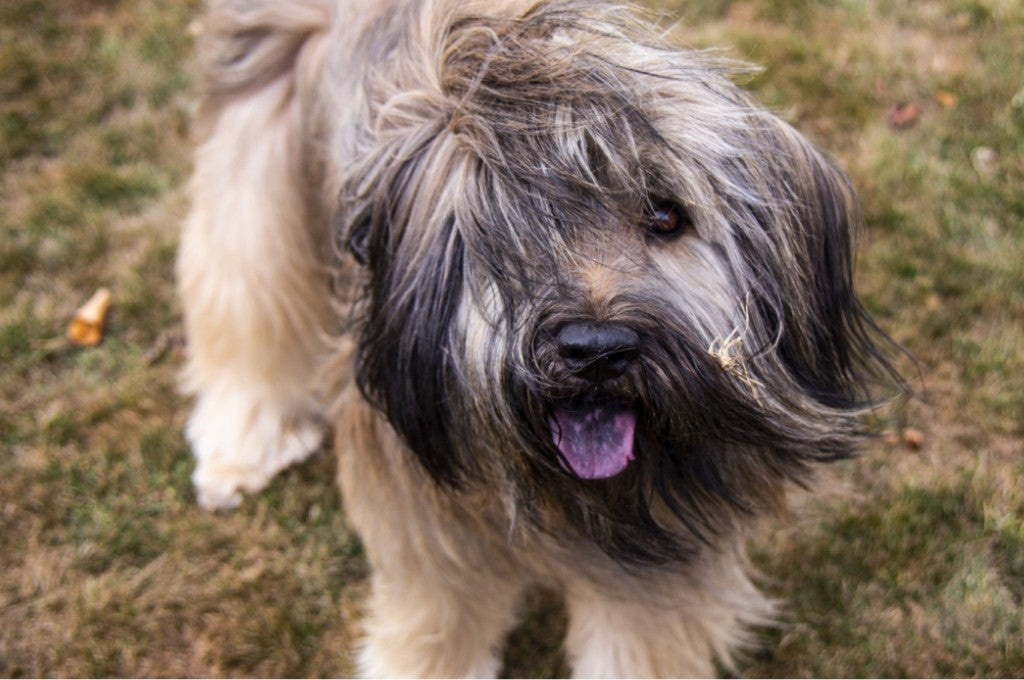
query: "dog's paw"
216, 489
239, 450
375, 663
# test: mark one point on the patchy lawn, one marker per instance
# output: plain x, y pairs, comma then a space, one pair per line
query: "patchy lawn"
908, 561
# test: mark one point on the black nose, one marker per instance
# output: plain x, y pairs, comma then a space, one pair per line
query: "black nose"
597, 351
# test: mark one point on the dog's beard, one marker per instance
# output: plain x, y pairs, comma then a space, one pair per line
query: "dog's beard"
655, 462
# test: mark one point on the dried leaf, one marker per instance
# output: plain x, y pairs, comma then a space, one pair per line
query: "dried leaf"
913, 439
904, 115
86, 328
945, 98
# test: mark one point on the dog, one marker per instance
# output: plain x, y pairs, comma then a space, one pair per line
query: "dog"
575, 308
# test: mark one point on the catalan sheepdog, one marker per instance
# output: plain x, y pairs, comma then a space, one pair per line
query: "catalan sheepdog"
575, 309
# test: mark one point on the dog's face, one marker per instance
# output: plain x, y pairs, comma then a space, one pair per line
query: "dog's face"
601, 279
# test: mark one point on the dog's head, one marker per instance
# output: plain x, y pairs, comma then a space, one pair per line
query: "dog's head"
598, 275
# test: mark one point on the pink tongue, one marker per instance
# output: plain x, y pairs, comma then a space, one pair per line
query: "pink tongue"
597, 442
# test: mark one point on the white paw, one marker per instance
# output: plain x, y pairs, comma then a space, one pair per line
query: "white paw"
416, 662
240, 444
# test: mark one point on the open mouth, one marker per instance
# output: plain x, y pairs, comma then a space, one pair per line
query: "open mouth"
595, 438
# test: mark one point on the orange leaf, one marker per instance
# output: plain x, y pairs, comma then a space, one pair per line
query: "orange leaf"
945, 98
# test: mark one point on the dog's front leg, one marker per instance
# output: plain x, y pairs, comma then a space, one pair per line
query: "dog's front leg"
611, 638
427, 625
671, 623
445, 584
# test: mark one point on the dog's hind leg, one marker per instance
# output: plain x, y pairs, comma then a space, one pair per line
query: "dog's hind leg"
251, 270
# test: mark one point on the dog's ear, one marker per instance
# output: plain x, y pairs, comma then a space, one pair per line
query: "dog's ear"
826, 341
402, 227
404, 363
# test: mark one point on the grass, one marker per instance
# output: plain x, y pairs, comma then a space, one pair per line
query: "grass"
905, 562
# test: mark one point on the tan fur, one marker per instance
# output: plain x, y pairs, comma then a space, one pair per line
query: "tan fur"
293, 114
252, 266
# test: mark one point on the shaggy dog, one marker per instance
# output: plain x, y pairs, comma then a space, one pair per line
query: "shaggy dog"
582, 311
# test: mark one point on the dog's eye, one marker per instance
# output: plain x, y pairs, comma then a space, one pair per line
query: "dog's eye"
666, 219
357, 243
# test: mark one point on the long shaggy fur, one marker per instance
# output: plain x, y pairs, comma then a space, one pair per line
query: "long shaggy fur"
486, 173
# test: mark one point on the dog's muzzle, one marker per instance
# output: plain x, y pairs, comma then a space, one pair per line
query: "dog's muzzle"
594, 432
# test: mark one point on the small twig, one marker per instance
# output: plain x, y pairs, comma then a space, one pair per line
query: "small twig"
728, 352
164, 343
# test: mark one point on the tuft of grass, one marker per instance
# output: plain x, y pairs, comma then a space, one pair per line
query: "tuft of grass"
908, 561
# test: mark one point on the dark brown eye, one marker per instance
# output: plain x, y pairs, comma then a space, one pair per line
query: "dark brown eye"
357, 242
667, 219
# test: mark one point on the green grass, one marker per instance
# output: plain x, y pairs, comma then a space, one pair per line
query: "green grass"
902, 563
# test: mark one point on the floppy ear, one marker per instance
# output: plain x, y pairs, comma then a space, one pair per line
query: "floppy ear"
401, 228
826, 340
405, 349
